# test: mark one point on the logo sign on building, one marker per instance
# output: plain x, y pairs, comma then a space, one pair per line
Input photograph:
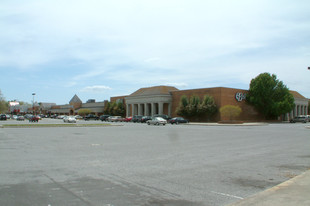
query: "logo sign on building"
240, 96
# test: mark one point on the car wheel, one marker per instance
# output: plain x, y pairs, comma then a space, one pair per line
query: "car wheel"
148, 123
164, 124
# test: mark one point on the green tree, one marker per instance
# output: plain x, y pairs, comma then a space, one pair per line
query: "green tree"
3, 104
84, 112
119, 109
182, 109
193, 107
230, 111
270, 96
207, 106
113, 108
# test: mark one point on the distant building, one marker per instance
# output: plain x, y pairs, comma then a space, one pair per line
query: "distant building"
75, 104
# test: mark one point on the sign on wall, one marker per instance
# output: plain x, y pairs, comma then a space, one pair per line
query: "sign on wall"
240, 96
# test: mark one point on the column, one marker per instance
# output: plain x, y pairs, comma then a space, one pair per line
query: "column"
139, 109
169, 109
133, 109
295, 111
160, 107
153, 108
127, 110
146, 109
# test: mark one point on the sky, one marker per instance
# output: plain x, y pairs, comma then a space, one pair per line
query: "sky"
98, 49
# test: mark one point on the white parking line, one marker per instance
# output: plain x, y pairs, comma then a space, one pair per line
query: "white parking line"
228, 195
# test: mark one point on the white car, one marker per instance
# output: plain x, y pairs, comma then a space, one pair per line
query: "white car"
69, 119
157, 121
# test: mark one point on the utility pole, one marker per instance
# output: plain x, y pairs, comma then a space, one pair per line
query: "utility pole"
33, 94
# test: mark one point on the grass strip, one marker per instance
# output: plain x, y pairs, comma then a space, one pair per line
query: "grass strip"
52, 125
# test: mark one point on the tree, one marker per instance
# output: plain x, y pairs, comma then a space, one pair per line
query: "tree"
182, 109
113, 108
193, 107
84, 112
270, 96
207, 107
3, 104
230, 111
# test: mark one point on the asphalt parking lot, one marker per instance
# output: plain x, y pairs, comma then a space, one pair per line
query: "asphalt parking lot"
136, 164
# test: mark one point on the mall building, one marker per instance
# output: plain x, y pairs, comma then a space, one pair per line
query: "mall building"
165, 100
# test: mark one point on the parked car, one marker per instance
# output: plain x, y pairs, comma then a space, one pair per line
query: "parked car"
91, 116
115, 119
54, 116
60, 116
78, 117
164, 116
20, 118
104, 117
28, 116
145, 118
69, 119
177, 120
301, 118
34, 118
3, 117
128, 119
136, 118
157, 121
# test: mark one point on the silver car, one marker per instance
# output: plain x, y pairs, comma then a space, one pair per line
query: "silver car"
69, 119
157, 121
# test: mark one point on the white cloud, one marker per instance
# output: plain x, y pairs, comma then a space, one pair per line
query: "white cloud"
95, 89
140, 43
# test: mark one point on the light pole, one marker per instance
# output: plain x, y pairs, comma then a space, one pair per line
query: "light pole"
33, 103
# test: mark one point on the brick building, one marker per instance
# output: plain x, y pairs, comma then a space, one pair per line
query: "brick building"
165, 100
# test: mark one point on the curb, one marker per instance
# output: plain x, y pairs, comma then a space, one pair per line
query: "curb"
219, 124
294, 191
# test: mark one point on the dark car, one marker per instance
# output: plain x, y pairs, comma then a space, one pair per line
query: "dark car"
104, 117
303, 119
91, 116
136, 118
34, 118
177, 120
3, 117
145, 118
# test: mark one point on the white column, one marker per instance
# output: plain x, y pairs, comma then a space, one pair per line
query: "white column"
139, 109
133, 109
153, 108
127, 110
146, 109
169, 109
160, 107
